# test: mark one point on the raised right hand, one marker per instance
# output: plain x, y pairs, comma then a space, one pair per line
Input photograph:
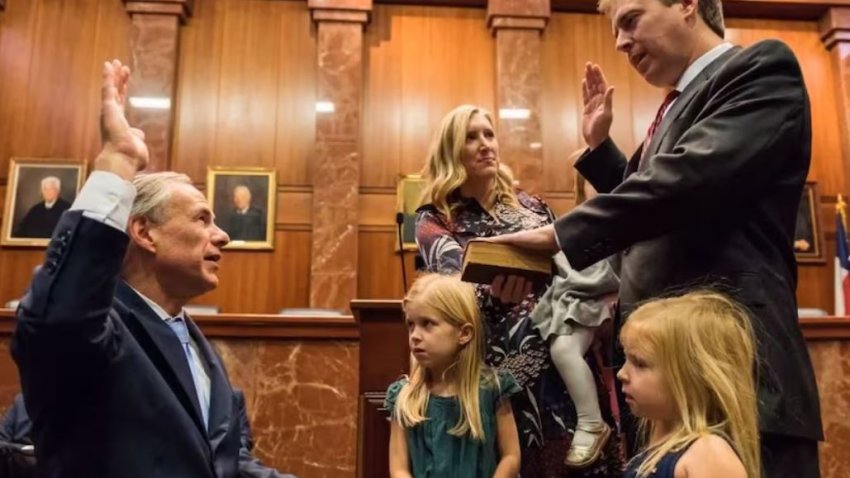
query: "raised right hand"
124, 150
598, 113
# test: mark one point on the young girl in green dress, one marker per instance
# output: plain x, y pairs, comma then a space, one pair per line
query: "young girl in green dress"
689, 377
451, 417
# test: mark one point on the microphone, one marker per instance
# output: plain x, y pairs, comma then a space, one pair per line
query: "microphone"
399, 221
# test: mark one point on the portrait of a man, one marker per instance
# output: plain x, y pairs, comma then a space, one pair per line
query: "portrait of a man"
245, 222
39, 191
807, 233
243, 201
42, 217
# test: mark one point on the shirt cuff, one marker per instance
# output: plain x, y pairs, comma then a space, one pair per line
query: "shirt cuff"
558, 242
107, 198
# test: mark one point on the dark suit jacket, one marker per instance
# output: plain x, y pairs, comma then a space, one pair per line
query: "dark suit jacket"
40, 221
250, 226
714, 202
105, 380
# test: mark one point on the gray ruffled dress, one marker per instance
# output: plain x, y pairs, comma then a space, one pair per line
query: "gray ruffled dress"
574, 297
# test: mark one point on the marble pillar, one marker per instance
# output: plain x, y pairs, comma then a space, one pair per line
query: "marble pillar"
835, 33
517, 27
154, 46
831, 362
336, 166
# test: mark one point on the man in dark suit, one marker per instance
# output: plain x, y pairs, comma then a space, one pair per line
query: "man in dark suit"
245, 222
709, 198
118, 380
40, 220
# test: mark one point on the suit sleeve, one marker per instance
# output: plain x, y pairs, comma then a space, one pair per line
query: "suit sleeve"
603, 167
758, 109
65, 332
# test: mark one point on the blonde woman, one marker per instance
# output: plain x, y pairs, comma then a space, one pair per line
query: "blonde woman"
688, 377
469, 194
451, 417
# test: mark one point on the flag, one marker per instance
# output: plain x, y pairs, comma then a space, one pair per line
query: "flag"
842, 259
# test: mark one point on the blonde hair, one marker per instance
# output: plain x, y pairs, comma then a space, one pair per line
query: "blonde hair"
703, 343
152, 193
711, 12
454, 302
444, 172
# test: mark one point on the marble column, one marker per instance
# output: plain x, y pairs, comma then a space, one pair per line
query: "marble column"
336, 172
517, 26
835, 34
154, 49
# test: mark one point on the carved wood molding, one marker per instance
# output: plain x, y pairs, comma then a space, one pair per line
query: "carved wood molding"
518, 14
179, 8
835, 27
766, 9
345, 11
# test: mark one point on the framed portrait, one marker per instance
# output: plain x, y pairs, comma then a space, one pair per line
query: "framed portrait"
808, 234
408, 197
38, 192
243, 200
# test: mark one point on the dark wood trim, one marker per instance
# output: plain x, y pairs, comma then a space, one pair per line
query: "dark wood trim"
253, 326
766, 9
826, 328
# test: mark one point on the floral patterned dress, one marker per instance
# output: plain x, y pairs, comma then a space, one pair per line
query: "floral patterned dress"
544, 412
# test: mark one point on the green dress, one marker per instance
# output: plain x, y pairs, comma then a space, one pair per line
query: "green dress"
434, 453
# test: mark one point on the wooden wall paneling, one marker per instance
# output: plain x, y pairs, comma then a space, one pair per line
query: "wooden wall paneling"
296, 96
51, 56
17, 30
248, 85
58, 114
379, 274
421, 63
263, 281
198, 78
569, 42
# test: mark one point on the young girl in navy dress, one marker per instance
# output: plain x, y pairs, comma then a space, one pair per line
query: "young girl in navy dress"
451, 417
689, 377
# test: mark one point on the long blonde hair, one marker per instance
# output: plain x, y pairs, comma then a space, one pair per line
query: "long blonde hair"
453, 301
444, 173
703, 343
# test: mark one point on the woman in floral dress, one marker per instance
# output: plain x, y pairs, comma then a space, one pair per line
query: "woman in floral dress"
468, 195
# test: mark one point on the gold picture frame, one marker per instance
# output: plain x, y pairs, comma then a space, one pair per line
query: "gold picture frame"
243, 200
39, 190
808, 233
408, 198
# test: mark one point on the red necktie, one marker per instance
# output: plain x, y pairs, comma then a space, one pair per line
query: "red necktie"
657, 121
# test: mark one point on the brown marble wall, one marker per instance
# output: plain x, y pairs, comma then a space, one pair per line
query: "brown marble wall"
519, 85
831, 361
333, 275
517, 27
153, 64
301, 398
300, 380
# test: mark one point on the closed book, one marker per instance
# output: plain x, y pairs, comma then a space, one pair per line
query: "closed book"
484, 260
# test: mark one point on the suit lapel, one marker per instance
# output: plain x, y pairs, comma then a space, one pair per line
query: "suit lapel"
686, 98
633, 163
162, 347
221, 393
